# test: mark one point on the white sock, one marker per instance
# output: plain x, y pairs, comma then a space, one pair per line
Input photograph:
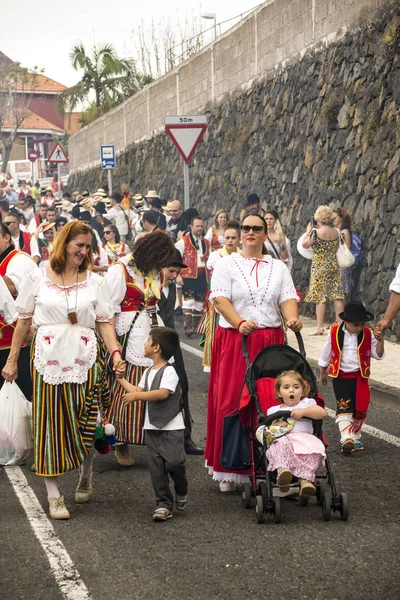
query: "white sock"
87, 464
345, 434
51, 487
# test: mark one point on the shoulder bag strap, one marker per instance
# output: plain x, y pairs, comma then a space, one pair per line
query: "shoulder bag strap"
273, 247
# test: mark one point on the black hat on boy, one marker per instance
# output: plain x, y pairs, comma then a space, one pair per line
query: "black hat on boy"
355, 312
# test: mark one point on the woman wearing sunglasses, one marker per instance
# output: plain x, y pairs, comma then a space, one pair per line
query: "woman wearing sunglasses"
250, 290
115, 249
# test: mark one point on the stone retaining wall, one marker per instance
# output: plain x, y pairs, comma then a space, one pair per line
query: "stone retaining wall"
324, 129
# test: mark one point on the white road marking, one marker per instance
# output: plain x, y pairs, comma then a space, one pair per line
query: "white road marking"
377, 433
192, 350
62, 567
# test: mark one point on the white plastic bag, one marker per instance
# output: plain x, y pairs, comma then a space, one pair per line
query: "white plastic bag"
16, 440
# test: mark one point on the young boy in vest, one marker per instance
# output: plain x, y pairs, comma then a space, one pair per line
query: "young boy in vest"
164, 425
347, 358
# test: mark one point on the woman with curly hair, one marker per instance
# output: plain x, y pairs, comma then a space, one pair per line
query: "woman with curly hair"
342, 220
135, 284
325, 282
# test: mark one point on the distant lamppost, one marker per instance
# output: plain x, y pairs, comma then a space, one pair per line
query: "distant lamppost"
212, 16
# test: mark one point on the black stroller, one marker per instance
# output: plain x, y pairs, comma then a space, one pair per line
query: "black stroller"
268, 363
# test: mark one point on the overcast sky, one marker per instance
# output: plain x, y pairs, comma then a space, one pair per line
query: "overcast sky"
42, 32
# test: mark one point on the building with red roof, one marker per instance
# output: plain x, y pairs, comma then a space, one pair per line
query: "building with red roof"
43, 124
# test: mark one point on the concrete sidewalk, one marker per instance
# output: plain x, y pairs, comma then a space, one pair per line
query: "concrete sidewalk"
384, 373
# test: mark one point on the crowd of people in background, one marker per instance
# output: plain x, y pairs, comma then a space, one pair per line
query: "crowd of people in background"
125, 264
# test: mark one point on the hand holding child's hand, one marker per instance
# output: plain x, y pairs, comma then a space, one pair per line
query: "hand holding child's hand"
297, 413
130, 397
324, 376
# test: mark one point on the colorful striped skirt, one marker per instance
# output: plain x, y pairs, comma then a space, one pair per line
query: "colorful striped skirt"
64, 419
128, 420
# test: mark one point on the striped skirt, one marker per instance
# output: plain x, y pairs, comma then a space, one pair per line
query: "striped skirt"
128, 420
64, 419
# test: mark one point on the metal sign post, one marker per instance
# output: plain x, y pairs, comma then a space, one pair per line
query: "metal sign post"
59, 156
186, 133
109, 181
186, 193
107, 159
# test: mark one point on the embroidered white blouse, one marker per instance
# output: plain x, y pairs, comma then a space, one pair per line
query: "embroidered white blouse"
395, 284
7, 304
139, 333
19, 266
64, 352
256, 288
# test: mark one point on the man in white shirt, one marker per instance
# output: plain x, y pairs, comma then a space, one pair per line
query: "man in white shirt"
393, 307
119, 216
195, 251
22, 240
11, 195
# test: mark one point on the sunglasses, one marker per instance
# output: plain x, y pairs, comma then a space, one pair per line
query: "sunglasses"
107, 231
255, 228
8, 223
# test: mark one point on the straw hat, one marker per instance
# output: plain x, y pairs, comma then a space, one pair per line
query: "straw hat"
168, 206
152, 194
138, 199
85, 194
87, 202
48, 226
100, 192
66, 205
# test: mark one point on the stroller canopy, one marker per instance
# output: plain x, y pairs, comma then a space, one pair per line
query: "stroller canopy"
274, 359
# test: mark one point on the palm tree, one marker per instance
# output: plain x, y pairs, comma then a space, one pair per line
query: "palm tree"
106, 76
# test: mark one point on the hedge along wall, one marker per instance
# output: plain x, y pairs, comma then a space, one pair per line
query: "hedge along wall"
323, 129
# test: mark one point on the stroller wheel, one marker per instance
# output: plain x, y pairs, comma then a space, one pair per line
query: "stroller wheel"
246, 495
327, 505
260, 509
344, 506
320, 490
277, 509
263, 491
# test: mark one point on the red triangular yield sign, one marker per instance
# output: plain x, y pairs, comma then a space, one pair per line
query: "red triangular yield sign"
186, 138
58, 154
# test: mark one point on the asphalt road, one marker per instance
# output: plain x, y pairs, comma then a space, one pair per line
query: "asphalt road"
215, 549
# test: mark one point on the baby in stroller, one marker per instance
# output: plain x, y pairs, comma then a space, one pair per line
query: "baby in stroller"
296, 452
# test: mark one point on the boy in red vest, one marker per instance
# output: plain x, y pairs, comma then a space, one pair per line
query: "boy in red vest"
347, 358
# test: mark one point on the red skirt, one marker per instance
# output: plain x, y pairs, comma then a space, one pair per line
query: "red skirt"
228, 369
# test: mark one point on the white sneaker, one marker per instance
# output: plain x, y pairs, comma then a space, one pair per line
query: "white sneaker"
57, 508
227, 486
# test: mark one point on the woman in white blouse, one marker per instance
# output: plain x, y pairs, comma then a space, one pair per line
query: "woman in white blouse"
277, 243
250, 290
66, 301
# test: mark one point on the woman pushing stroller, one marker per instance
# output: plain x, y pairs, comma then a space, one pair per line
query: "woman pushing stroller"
296, 452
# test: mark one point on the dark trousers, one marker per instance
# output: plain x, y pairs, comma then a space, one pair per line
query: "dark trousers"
166, 458
24, 379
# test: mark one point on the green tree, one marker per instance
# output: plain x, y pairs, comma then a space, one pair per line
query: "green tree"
17, 85
106, 81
